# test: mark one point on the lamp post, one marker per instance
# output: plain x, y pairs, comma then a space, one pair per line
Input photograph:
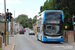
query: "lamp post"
14, 22
5, 21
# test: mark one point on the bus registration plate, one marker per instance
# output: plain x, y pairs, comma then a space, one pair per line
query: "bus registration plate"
53, 40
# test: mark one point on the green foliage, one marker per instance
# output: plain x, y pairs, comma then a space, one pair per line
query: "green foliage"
35, 18
25, 17
24, 21
48, 5
68, 8
0, 48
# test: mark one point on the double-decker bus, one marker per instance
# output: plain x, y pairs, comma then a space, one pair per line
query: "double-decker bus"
50, 26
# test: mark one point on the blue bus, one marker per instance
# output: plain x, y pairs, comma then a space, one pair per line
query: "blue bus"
50, 26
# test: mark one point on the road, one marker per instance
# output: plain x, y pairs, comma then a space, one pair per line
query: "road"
29, 42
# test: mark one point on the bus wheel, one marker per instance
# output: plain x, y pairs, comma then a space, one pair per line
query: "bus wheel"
58, 42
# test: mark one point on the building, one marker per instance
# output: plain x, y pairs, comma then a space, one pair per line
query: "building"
2, 23
16, 26
35, 28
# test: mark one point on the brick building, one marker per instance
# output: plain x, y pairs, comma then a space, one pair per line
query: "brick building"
2, 23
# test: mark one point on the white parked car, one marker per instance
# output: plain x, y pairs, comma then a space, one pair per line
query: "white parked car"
31, 32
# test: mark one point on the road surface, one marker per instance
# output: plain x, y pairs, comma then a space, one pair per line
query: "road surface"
29, 42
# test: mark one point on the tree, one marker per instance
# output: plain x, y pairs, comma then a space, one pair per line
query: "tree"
48, 5
24, 20
34, 19
68, 8
30, 22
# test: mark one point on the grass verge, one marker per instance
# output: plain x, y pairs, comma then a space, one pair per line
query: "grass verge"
0, 48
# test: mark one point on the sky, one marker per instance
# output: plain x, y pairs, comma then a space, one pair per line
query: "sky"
28, 7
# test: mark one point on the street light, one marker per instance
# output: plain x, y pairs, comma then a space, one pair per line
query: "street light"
5, 8
5, 21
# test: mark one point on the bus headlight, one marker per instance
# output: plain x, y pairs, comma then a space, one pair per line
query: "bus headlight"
54, 37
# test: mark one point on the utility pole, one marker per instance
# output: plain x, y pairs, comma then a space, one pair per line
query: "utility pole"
8, 30
5, 21
14, 22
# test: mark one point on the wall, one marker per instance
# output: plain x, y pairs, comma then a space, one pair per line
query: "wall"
70, 34
2, 26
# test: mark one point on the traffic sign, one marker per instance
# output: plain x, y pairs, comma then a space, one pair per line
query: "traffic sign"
65, 27
6, 33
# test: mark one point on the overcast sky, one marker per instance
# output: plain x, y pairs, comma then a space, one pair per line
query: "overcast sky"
28, 7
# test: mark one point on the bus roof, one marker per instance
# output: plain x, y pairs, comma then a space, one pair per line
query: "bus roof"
52, 10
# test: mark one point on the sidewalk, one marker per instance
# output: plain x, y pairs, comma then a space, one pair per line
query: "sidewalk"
71, 41
11, 44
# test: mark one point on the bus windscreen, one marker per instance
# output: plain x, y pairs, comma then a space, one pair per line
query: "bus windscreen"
53, 15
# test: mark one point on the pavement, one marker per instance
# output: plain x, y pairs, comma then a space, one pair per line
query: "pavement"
71, 41
11, 44
29, 42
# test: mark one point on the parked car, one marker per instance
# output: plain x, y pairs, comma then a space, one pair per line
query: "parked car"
22, 31
31, 32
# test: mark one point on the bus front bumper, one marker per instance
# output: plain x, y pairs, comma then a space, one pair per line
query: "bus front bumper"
54, 39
